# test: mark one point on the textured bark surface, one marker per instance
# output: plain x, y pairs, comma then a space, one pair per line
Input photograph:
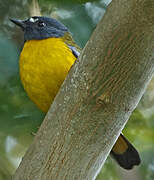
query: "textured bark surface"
97, 98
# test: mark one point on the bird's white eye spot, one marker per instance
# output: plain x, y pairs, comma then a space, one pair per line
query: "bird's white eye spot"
33, 20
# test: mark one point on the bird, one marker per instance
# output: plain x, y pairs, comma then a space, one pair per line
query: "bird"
48, 53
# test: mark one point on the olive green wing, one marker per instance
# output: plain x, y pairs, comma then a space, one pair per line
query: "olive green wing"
67, 38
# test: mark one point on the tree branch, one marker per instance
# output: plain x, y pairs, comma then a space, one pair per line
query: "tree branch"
97, 98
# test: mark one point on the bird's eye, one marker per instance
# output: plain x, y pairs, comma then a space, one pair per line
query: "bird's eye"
41, 24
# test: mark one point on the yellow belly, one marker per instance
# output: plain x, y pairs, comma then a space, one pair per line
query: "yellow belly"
44, 65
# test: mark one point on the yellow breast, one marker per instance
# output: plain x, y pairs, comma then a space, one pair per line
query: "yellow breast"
44, 65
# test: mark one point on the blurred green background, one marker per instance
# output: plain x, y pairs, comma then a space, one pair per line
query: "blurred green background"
19, 117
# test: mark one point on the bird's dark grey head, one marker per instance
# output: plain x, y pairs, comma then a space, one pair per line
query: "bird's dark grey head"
39, 27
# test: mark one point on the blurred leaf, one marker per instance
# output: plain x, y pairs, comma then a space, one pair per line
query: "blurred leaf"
69, 1
8, 59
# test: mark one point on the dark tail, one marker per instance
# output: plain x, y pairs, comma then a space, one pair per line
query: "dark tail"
125, 154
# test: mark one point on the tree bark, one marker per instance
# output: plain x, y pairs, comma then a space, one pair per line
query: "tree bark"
97, 98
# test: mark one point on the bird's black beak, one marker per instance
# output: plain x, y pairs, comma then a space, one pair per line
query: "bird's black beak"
19, 23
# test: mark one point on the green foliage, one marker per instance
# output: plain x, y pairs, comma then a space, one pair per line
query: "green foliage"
69, 1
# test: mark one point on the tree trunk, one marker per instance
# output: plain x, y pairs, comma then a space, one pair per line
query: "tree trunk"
97, 98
